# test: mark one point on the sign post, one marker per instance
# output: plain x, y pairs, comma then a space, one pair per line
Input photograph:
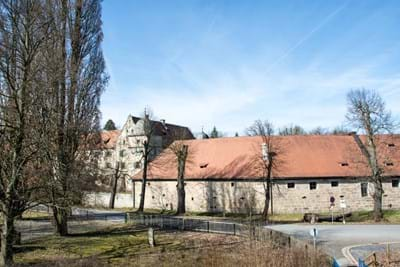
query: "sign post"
343, 206
332, 201
314, 234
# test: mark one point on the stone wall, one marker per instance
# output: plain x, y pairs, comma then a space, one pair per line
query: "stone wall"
246, 197
239, 196
102, 199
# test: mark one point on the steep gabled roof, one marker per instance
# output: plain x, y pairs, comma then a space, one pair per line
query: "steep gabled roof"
109, 138
301, 156
170, 131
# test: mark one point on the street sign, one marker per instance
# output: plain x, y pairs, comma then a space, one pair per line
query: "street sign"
343, 204
314, 232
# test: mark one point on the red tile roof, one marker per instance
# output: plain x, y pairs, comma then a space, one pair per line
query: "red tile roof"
109, 139
300, 156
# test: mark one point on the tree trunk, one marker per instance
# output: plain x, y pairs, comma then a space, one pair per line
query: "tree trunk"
61, 220
267, 191
144, 181
181, 209
114, 189
369, 151
7, 241
377, 196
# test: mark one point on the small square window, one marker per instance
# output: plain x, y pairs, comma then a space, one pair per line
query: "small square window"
290, 185
122, 165
232, 184
107, 153
137, 165
122, 153
108, 165
364, 189
334, 184
313, 185
395, 183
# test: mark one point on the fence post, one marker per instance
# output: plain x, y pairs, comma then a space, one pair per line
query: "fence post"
183, 223
234, 229
208, 226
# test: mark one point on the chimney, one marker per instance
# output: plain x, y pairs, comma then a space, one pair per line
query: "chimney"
264, 151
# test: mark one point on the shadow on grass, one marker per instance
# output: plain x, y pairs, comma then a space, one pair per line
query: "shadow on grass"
110, 232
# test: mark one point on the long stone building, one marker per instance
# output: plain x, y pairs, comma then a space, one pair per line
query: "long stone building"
227, 174
123, 149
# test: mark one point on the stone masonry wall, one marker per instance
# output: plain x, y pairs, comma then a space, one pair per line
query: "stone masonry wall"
246, 197
239, 196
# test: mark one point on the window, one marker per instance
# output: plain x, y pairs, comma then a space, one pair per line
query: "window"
313, 185
290, 185
137, 165
122, 165
395, 183
108, 165
232, 184
122, 153
391, 145
107, 153
334, 184
364, 189
389, 163
344, 164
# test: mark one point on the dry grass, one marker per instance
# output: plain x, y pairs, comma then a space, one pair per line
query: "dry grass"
127, 246
240, 254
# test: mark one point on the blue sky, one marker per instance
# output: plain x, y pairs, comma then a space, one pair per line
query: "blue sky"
228, 63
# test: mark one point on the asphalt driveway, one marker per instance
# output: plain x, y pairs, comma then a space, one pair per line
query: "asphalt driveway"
336, 239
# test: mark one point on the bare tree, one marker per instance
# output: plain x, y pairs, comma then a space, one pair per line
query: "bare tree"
270, 150
180, 149
23, 28
148, 147
75, 77
319, 131
292, 130
117, 174
367, 112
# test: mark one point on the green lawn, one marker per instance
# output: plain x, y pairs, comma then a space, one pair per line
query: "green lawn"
389, 216
127, 245
110, 246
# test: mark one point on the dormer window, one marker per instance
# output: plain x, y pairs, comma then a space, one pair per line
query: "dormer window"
389, 163
202, 166
391, 145
344, 164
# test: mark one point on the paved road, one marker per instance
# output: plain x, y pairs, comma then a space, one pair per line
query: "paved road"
82, 220
333, 238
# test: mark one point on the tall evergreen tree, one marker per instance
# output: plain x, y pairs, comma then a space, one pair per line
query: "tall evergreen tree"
214, 133
110, 125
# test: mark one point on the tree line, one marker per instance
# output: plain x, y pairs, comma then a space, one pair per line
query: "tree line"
52, 74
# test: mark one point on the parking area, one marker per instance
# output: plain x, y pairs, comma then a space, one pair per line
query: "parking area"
338, 239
